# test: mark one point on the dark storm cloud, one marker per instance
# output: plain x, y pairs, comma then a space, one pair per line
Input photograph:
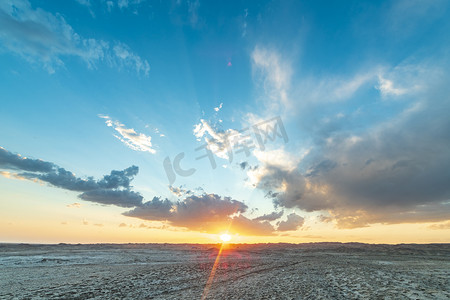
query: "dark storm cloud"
62, 178
113, 189
207, 212
12, 161
119, 178
394, 172
122, 198
194, 212
321, 168
155, 210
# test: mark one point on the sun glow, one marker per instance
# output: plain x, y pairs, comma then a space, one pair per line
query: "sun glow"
225, 237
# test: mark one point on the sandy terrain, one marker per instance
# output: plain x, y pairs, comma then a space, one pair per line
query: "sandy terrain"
277, 271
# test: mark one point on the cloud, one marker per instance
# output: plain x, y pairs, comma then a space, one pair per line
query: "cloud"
442, 226
128, 136
243, 165
244, 23
47, 39
205, 213
270, 217
219, 142
387, 88
218, 107
293, 222
180, 191
193, 6
407, 17
245, 226
13, 175
121, 198
392, 172
275, 75
122, 3
156, 209
407, 79
62, 178
112, 189
84, 2
123, 225
12, 161
88, 5
130, 60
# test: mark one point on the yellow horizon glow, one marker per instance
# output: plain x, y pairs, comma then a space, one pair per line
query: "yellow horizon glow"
225, 237
34, 217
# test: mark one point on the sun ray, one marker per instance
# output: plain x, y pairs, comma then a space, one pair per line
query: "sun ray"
211, 275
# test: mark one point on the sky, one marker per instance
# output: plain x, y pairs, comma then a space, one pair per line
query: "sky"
179, 121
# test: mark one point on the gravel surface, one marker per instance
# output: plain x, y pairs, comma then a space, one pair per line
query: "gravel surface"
273, 271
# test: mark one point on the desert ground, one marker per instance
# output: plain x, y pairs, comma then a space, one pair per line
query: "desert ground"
262, 271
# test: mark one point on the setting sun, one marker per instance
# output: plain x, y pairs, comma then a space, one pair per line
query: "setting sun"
225, 237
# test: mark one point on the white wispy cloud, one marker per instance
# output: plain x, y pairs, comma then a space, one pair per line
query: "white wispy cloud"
275, 74
218, 107
244, 23
128, 59
128, 136
386, 87
220, 142
193, 6
47, 39
408, 78
74, 205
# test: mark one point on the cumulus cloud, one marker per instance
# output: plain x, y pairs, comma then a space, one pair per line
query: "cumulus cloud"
219, 142
392, 172
47, 39
112, 189
128, 136
293, 222
180, 191
206, 213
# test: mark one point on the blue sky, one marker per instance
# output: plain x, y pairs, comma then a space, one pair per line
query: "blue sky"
361, 88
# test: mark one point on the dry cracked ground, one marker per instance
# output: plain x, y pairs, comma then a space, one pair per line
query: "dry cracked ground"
273, 271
